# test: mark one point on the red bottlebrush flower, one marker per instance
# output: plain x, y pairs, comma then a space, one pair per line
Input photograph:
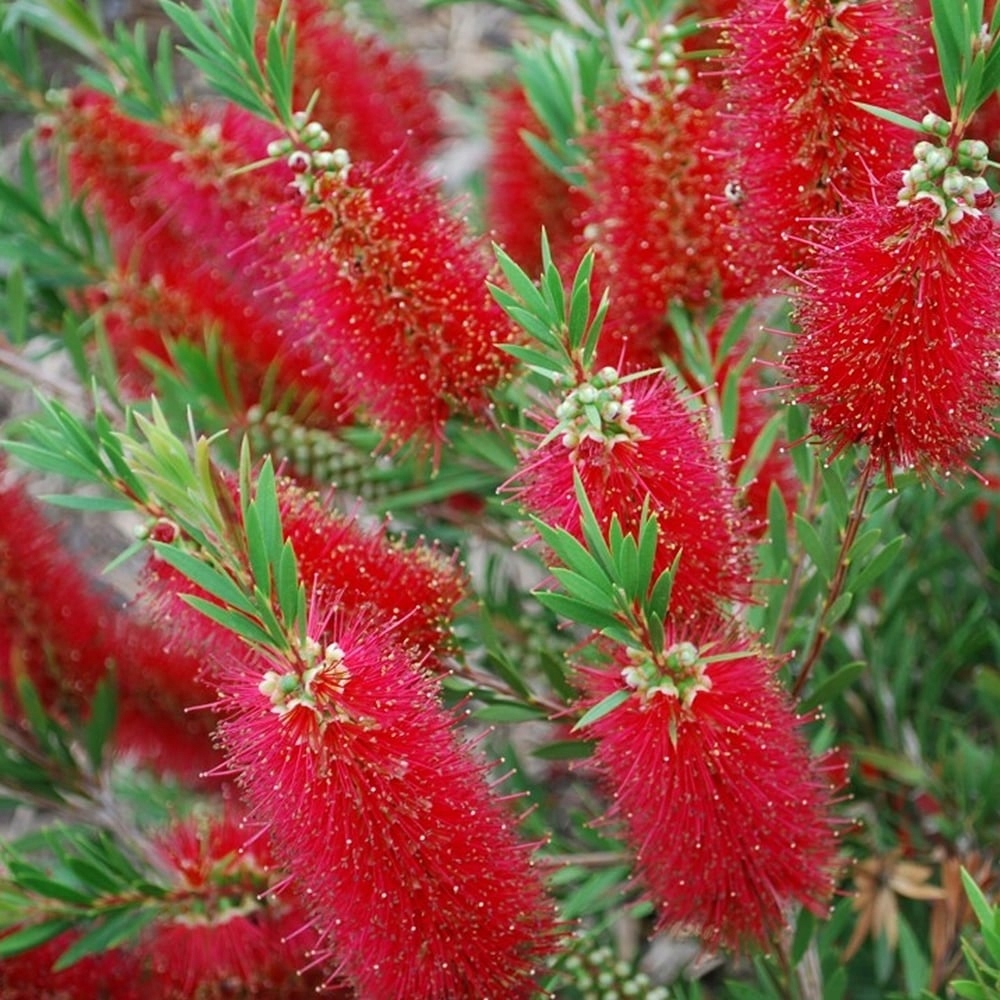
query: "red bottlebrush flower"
159, 684
523, 196
899, 342
67, 634
417, 586
649, 445
802, 147
376, 102
108, 975
231, 934
390, 296
383, 820
729, 817
658, 219
53, 619
183, 222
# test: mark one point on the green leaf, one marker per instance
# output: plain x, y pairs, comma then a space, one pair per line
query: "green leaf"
830, 688
952, 48
580, 301
565, 750
596, 893
199, 572
33, 936
102, 720
52, 889
109, 933
577, 611
248, 629
895, 765
74, 501
822, 557
509, 711
257, 550
92, 875
569, 551
969, 990
805, 927
266, 502
522, 286
535, 360
892, 116
835, 491
290, 593
582, 589
861, 578
985, 913
604, 707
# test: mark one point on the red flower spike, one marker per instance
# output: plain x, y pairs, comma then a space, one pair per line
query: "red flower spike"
53, 620
417, 586
385, 822
654, 446
659, 221
376, 102
66, 634
390, 297
523, 196
803, 148
712, 779
183, 222
231, 933
107, 975
159, 684
899, 343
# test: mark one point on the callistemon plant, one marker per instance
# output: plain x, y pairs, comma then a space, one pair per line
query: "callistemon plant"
542, 463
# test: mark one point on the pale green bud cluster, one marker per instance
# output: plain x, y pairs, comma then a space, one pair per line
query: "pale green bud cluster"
596, 410
661, 56
308, 156
952, 180
599, 976
679, 673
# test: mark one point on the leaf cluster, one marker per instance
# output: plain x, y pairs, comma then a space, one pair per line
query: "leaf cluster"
82, 879
984, 961
222, 45
565, 330
968, 54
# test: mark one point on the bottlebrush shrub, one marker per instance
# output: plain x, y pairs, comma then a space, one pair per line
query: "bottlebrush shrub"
390, 294
229, 933
609, 555
334, 70
523, 196
658, 219
347, 565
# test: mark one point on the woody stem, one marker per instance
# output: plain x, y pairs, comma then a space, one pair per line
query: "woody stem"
854, 522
